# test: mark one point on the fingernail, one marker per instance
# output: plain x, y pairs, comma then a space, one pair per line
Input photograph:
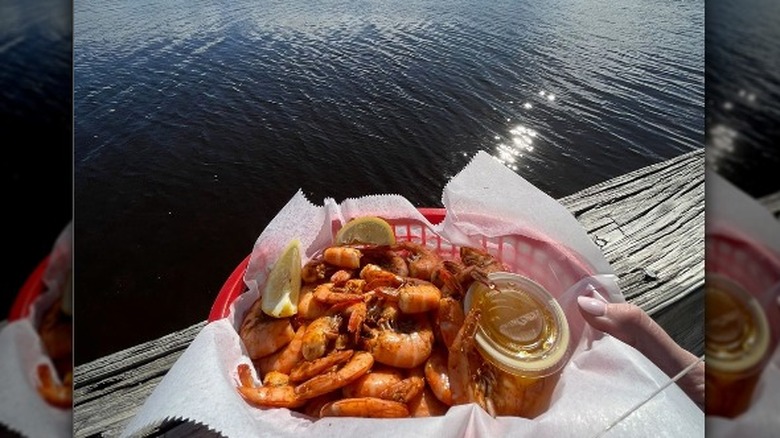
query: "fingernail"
592, 306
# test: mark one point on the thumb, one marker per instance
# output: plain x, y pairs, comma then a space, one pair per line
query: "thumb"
630, 324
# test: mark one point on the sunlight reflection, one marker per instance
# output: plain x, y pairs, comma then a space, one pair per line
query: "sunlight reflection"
721, 144
747, 95
520, 141
547, 94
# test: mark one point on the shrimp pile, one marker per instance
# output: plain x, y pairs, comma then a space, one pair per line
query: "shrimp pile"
380, 332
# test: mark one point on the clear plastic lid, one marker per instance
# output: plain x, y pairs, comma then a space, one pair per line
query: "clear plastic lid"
737, 330
522, 330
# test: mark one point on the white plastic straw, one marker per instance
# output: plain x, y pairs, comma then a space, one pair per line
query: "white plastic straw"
650, 397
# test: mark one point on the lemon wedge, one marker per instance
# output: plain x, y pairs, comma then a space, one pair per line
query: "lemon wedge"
367, 230
280, 294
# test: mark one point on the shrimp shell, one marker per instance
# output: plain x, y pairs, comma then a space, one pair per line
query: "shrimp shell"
437, 376
262, 334
58, 395
357, 366
399, 349
313, 406
376, 277
449, 319
414, 296
327, 293
464, 362
422, 261
405, 390
342, 256
308, 369
308, 307
285, 359
481, 259
365, 407
280, 396
426, 405
374, 382
317, 334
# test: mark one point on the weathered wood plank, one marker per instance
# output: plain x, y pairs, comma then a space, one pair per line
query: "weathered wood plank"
649, 223
109, 391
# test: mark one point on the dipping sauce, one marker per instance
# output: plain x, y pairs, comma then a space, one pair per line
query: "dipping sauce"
524, 334
736, 346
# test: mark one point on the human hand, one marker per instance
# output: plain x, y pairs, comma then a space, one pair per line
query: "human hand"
630, 324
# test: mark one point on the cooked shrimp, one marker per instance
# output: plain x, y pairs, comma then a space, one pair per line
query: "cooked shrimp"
286, 358
365, 407
437, 376
386, 258
356, 312
307, 369
464, 364
317, 270
262, 334
405, 390
357, 366
271, 396
480, 259
343, 256
376, 277
380, 312
414, 296
314, 405
56, 394
374, 382
308, 307
340, 277
406, 347
422, 261
449, 319
318, 334
281, 396
450, 278
329, 294
426, 405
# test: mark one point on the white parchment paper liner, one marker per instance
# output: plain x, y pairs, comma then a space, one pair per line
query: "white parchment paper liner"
732, 211
603, 379
21, 407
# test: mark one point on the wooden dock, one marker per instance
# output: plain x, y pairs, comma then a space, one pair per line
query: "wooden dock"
649, 223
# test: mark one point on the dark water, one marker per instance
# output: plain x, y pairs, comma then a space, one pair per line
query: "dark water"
36, 126
195, 122
743, 93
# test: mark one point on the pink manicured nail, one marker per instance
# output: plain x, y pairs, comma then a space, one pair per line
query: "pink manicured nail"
591, 305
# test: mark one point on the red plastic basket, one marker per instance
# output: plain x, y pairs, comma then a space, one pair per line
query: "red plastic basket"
29, 291
551, 265
739, 259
